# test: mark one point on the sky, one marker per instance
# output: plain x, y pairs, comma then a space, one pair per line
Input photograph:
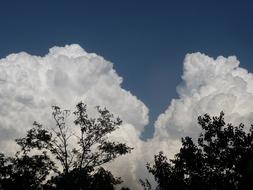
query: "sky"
177, 60
145, 40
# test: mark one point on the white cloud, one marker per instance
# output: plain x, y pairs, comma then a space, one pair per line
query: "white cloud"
209, 86
30, 85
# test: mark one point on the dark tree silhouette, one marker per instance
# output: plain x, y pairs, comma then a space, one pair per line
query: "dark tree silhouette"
222, 158
24, 171
78, 167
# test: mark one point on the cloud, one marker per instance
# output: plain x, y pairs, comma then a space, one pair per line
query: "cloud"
30, 85
208, 86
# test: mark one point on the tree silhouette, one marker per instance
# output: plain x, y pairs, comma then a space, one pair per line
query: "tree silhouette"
24, 171
44, 151
222, 158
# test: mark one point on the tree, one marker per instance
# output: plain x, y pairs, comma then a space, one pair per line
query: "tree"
24, 171
73, 167
222, 158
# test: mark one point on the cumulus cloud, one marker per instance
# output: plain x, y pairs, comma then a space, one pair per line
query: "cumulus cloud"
208, 86
30, 85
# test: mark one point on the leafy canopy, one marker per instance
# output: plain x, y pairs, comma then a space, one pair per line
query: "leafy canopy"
222, 158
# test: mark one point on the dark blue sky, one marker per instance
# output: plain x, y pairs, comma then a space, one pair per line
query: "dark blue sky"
146, 40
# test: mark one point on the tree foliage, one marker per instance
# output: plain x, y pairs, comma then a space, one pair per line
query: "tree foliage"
45, 151
24, 171
222, 158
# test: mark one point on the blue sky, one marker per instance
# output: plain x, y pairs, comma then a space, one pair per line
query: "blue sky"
146, 40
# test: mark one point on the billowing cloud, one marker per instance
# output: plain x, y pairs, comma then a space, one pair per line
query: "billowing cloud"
30, 85
209, 86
